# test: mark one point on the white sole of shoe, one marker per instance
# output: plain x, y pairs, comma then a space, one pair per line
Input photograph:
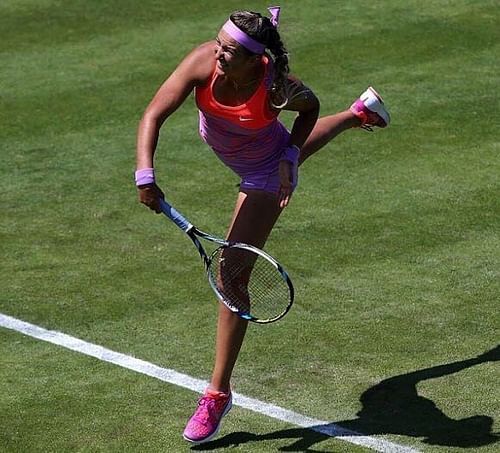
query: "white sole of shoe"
373, 102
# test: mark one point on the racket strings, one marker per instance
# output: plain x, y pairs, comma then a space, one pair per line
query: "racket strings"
249, 282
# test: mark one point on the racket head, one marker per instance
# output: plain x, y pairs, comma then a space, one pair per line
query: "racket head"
250, 283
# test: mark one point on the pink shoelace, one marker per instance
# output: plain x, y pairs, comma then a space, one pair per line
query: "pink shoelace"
209, 409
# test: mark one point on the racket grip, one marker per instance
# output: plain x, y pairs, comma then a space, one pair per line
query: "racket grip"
175, 216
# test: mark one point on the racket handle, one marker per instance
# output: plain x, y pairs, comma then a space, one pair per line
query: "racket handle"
175, 216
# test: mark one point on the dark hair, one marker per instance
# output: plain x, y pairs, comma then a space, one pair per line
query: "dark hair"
262, 30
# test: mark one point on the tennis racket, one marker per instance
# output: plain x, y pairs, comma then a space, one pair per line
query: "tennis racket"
245, 279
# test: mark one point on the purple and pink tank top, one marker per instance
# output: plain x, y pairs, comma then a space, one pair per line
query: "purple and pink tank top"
248, 138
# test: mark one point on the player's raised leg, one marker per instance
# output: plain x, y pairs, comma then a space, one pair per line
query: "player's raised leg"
367, 111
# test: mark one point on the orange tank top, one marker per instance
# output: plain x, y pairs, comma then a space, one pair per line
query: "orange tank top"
255, 113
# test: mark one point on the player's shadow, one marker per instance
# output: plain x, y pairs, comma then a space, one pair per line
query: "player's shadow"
393, 406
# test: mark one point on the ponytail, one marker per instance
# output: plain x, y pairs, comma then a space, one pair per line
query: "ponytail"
262, 30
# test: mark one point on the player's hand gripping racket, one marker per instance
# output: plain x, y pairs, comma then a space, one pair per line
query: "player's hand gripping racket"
247, 280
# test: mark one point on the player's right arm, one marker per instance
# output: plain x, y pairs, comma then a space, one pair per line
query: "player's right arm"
193, 71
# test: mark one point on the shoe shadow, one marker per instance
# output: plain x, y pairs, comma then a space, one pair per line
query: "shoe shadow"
305, 440
393, 406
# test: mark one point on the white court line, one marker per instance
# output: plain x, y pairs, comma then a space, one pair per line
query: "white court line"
197, 385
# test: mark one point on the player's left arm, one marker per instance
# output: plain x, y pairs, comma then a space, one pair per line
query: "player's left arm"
302, 100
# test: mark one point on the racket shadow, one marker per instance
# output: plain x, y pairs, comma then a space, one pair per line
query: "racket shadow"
393, 406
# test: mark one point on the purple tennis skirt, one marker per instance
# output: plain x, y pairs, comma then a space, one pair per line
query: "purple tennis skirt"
268, 182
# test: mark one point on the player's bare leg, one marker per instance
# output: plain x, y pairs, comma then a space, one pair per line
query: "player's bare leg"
254, 216
325, 130
367, 111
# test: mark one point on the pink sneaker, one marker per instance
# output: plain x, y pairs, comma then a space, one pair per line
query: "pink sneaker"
205, 422
371, 110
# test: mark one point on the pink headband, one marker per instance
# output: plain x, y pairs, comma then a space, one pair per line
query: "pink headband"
246, 41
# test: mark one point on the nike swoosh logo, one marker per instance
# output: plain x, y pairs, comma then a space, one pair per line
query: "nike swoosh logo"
245, 119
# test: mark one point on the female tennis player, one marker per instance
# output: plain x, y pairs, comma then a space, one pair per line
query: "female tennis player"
241, 82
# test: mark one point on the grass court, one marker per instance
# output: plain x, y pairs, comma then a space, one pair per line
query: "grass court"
392, 238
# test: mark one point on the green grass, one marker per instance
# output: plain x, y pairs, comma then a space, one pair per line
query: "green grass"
392, 238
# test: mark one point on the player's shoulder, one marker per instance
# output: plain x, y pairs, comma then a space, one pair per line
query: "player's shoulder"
204, 50
199, 63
